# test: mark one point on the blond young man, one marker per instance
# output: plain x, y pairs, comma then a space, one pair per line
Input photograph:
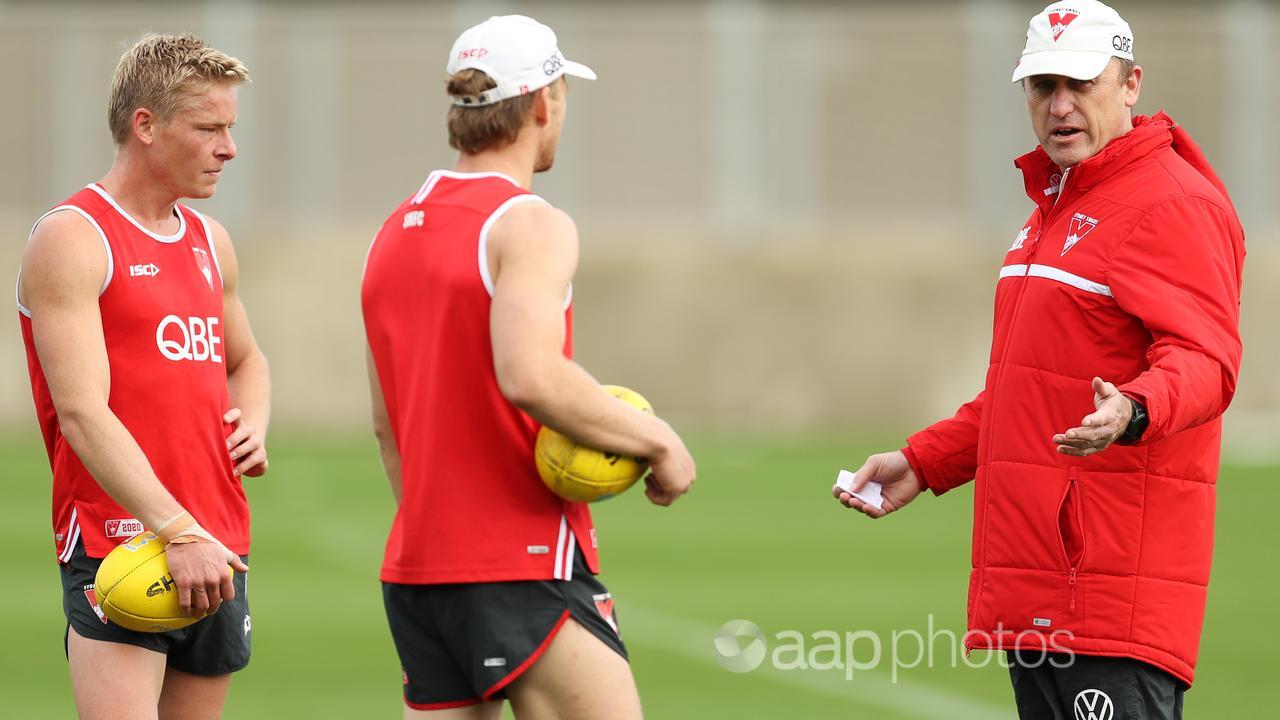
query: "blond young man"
490, 579
151, 392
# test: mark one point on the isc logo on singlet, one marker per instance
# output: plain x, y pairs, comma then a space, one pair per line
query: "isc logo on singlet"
190, 338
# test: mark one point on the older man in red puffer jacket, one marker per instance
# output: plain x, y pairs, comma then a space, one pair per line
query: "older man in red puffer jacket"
1119, 303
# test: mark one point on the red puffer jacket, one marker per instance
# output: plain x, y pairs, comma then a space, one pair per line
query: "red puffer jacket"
1129, 269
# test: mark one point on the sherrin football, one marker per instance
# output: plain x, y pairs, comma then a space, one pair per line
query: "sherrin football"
135, 589
575, 472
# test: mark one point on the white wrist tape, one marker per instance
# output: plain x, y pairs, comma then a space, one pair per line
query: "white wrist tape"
183, 528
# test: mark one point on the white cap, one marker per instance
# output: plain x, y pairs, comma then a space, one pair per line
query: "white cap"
1075, 38
517, 52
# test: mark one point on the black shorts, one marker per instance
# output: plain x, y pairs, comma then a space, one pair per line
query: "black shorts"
1054, 686
462, 644
217, 645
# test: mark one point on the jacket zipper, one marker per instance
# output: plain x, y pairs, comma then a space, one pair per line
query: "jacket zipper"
1022, 291
1057, 197
1047, 217
1062, 185
1073, 496
1073, 489
1017, 305
1031, 255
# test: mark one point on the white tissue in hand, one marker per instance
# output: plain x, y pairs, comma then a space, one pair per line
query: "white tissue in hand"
869, 494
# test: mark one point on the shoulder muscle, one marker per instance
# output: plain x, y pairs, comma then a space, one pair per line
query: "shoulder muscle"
66, 257
535, 233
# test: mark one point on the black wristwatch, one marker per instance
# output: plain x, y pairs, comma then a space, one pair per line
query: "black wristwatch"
1138, 423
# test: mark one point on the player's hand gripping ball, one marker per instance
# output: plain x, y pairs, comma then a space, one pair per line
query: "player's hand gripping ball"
135, 589
575, 472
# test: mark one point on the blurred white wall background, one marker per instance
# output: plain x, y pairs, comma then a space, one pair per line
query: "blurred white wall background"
791, 212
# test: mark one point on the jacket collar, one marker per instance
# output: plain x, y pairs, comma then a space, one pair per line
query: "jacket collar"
1043, 178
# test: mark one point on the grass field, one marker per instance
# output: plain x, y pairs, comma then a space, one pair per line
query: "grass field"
759, 539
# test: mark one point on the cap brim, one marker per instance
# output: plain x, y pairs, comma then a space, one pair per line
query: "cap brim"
1076, 64
579, 70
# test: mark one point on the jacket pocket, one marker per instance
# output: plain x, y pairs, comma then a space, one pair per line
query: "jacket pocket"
1071, 529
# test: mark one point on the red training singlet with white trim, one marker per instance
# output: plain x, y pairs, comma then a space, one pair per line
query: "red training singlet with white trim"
473, 506
161, 311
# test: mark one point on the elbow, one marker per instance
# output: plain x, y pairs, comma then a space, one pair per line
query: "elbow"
255, 360
74, 420
382, 432
1229, 375
383, 435
522, 386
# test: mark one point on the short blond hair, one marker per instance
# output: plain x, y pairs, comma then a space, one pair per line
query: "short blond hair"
164, 72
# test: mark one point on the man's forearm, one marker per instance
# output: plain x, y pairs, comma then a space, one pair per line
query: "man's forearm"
1183, 388
391, 463
945, 454
565, 397
117, 463
249, 386
388, 450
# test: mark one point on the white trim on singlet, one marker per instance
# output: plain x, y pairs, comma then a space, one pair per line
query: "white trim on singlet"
1048, 272
483, 252
367, 254
435, 175
73, 536
455, 175
182, 219
17, 295
427, 186
105, 245
469, 175
561, 541
568, 558
208, 237
423, 188
483, 260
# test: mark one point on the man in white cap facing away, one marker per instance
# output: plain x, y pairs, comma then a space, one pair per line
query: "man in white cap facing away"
1115, 351
489, 579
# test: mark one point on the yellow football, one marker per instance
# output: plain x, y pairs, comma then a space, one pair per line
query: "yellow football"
575, 472
135, 589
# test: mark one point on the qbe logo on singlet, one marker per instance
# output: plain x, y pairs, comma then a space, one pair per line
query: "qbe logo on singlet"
190, 338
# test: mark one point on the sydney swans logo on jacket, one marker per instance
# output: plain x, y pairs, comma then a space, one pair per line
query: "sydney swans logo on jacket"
1058, 22
1081, 225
